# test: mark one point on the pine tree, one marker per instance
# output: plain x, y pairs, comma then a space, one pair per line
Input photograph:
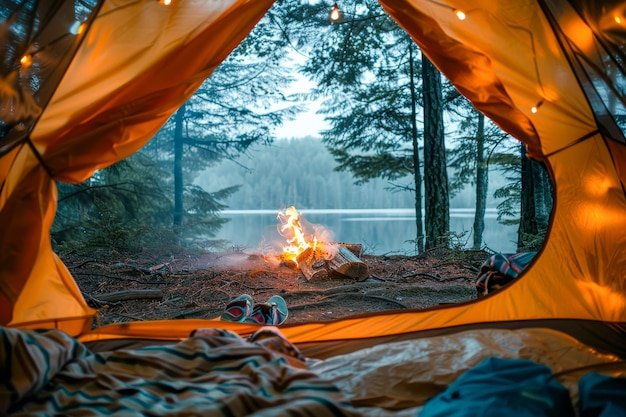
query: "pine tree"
435, 171
370, 96
232, 110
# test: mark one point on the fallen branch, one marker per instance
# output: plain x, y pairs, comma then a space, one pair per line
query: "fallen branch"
95, 302
422, 274
153, 270
375, 297
130, 295
378, 278
323, 301
128, 316
118, 278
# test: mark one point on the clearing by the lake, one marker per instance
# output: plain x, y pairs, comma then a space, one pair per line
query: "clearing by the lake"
152, 285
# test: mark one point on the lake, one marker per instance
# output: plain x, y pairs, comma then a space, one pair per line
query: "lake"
383, 231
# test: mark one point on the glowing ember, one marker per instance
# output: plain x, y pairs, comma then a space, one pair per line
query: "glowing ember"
292, 229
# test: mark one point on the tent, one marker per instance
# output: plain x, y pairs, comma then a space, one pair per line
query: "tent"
85, 83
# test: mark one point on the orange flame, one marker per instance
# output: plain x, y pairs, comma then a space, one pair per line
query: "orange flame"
292, 229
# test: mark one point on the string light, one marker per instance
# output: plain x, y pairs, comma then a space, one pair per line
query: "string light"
77, 28
462, 15
334, 13
165, 2
535, 109
26, 60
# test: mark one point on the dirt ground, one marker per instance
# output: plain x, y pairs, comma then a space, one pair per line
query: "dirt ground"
159, 285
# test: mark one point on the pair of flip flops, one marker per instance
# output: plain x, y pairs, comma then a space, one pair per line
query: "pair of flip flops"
273, 312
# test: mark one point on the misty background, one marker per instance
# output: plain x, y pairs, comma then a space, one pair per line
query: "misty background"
300, 172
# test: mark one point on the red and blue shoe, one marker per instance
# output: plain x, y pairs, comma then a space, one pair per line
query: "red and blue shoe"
273, 312
238, 309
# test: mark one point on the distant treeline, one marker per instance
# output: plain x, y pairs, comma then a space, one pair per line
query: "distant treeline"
300, 172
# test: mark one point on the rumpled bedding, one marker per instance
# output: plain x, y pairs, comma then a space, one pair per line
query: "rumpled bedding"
216, 372
398, 379
213, 372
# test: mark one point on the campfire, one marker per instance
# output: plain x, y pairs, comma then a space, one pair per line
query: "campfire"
309, 248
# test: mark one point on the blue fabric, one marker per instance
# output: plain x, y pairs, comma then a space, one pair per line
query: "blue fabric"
602, 396
502, 387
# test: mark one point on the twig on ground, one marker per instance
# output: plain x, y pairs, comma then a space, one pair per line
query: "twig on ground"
378, 278
425, 275
346, 295
131, 295
128, 316
97, 303
118, 278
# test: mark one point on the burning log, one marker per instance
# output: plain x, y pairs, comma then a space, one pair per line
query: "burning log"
334, 259
318, 259
312, 269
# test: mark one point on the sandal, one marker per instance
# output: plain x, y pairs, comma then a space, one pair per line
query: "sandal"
238, 309
273, 312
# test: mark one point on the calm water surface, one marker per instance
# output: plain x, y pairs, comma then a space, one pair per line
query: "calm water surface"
384, 231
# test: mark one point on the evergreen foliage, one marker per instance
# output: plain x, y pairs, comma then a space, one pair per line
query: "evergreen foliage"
300, 172
150, 198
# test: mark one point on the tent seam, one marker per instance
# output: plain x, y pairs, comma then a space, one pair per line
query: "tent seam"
576, 142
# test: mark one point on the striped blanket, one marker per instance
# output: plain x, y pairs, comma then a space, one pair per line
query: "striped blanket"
211, 373
500, 270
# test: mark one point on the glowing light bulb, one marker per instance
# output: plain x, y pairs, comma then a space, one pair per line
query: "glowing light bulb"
535, 109
165, 2
77, 28
26, 60
460, 14
618, 20
334, 13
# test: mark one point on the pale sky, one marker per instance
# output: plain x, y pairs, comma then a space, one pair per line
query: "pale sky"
306, 124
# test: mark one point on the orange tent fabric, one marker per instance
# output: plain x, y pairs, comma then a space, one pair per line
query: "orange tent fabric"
139, 61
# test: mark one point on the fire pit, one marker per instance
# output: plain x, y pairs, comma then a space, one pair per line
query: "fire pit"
318, 258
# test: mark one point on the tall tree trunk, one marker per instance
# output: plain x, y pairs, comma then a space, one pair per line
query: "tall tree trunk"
436, 200
417, 176
482, 183
528, 218
543, 196
178, 169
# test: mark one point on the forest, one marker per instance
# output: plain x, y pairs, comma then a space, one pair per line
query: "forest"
399, 136
301, 172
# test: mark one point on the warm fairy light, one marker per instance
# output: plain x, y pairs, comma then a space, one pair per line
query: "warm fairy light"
618, 20
535, 109
26, 60
165, 2
460, 14
334, 13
